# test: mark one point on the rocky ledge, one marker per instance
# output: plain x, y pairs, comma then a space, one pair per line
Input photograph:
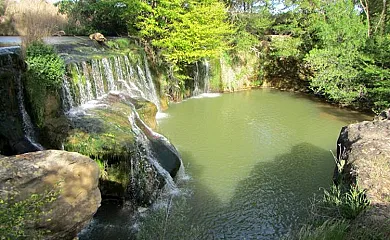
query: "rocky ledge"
72, 176
365, 148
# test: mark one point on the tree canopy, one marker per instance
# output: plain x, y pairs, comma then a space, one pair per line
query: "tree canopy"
339, 47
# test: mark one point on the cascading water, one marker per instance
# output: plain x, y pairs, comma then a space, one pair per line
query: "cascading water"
201, 78
206, 85
118, 75
109, 75
148, 154
196, 91
28, 128
97, 77
100, 76
67, 100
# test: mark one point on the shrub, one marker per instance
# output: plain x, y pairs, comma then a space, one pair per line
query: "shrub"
341, 203
45, 72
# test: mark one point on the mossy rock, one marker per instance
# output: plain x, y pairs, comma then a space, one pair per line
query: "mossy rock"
105, 134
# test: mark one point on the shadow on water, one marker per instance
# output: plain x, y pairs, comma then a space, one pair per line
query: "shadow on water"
273, 199
268, 204
112, 221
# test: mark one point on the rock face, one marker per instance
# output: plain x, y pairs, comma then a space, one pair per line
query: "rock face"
12, 140
75, 175
365, 147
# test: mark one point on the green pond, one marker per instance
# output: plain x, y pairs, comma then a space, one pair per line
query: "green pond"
254, 161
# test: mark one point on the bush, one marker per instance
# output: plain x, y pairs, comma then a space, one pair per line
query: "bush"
347, 204
45, 72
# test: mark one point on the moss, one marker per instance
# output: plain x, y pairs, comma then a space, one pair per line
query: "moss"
215, 79
45, 71
105, 134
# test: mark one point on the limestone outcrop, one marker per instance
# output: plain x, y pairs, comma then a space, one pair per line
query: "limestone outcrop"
73, 175
365, 148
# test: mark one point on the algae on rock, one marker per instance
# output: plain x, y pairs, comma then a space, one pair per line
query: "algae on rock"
104, 133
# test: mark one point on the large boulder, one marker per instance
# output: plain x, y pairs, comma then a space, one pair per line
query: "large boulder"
365, 148
74, 177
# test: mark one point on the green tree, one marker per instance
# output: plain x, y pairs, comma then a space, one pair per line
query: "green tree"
337, 57
184, 31
89, 16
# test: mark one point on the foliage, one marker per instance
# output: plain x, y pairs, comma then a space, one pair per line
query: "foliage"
376, 72
89, 16
340, 203
17, 217
337, 55
120, 44
332, 213
329, 230
199, 34
45, 72
187, 31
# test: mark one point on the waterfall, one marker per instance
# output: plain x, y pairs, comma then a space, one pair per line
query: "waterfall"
196, 91
201, 78
28, 128
206, 86
88, 85
109, 75
97, 77
134, 120
67, 100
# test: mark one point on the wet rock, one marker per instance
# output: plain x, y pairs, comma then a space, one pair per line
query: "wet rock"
72, 175
12, 139
365, 147
105, 132
384, 115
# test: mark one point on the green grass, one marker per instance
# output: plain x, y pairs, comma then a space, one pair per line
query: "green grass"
329, 230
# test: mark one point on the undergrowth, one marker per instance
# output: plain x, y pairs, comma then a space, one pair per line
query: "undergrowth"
45, 72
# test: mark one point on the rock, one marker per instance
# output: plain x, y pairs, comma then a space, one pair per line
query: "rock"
12, 139
384, 115
59, 33
97, 37
365, 147
105, 132
75, 175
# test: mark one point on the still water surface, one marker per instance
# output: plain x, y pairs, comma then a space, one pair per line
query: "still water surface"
254, 158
